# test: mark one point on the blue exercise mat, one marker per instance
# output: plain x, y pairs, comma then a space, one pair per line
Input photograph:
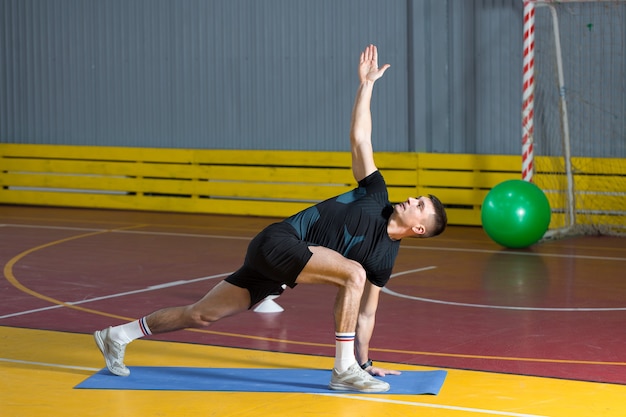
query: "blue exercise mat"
251, 380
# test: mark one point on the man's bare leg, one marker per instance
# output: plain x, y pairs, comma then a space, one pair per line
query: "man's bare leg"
223, 300
329, 267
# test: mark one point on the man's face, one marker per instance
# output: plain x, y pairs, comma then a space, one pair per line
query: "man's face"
417, 213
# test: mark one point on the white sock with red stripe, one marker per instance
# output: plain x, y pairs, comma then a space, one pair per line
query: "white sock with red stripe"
344, 351
128, 332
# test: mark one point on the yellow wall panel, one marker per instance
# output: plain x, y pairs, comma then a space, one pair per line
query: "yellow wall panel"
465, 179
279, 183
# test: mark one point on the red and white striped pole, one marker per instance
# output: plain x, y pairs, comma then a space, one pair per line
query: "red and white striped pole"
528, 93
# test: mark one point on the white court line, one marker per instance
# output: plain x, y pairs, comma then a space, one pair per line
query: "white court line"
121, 294
440, 406
385, 289
410, 271
141, 232
433, 248
347, 396
167, 285
495, 307
36, 226
49, 365
547, 255
137, 232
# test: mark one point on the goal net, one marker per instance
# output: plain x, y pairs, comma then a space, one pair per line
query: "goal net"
578, 111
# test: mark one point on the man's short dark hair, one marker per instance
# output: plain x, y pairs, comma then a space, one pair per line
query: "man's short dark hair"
441, 218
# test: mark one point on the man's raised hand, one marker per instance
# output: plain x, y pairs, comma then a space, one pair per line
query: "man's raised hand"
368, 65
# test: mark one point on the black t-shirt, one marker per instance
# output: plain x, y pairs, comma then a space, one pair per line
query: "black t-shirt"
355, 225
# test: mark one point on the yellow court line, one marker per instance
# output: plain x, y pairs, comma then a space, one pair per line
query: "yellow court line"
10, 277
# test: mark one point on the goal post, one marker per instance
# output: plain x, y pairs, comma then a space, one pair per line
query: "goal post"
574, 112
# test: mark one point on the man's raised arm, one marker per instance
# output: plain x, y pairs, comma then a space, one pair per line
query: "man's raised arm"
361, 125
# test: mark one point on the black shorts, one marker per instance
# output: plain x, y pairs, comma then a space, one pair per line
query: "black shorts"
276, 256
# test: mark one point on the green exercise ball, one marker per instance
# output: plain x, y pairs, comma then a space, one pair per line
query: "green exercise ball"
515, 214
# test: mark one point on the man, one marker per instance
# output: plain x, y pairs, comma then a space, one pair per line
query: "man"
350, 241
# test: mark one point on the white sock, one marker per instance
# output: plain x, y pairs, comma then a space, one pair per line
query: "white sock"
344, 351
128, 332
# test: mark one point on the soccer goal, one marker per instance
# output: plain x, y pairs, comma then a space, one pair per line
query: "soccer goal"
574, 112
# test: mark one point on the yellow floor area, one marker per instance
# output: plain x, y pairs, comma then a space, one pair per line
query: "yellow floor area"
39, 370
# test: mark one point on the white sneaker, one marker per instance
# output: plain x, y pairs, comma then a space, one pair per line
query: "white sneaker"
113, 352
356, 379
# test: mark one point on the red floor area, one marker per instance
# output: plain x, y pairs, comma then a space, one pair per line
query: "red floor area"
555, 310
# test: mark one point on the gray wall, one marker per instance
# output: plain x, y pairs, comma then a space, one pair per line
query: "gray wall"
261, 74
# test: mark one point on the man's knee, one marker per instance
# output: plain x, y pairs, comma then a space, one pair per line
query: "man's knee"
357, 276
197, 317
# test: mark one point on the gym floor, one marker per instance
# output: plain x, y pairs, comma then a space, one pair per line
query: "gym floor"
533, 332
